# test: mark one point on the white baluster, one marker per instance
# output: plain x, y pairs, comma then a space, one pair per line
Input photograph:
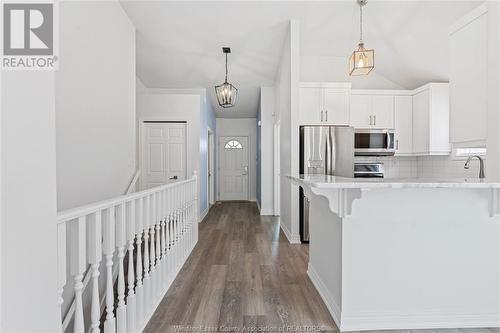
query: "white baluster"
139, 291
94, 256
168, 237
108, 250
77, 268
158, 245
152, 222
120, 234
163, 242
61, 267
147, 282
131, 298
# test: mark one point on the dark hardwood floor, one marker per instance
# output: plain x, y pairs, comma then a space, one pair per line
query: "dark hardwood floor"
242, 273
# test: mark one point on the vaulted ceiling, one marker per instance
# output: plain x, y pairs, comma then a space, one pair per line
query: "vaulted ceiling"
179, 42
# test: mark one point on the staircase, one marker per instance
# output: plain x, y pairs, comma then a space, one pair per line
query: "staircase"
140, 241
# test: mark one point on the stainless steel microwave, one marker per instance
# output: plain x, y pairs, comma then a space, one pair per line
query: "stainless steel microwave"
371, 142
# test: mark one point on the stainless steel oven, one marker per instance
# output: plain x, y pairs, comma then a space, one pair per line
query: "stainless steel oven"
371, 142
368, 170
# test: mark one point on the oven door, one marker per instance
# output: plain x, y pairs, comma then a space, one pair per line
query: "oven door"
374, 143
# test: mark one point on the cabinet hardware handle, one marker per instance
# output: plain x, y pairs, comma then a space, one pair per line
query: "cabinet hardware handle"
370, 120
397, 144
375, 120
326, 115
321, 115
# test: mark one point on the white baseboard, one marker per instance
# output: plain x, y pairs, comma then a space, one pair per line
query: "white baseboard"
292, 239
330, 303
266, 211
204, 214
429, 320
398, 321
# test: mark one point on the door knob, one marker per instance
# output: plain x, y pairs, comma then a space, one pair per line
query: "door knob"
174, 177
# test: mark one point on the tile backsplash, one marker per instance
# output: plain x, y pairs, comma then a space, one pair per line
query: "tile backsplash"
423, 166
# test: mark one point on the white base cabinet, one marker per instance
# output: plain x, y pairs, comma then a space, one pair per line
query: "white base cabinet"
324, 103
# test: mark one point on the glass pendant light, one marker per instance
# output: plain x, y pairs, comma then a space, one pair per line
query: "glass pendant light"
362, 60
226, 92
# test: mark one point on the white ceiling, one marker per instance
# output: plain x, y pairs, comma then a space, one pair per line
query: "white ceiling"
179, 43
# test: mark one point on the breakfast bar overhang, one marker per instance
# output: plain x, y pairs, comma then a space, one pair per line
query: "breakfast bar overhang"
405, 253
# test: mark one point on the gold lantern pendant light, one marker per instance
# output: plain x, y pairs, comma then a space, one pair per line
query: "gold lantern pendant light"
362, 60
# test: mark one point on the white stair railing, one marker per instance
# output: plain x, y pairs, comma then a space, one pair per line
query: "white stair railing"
146, 235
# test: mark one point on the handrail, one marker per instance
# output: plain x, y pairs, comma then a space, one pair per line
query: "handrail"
133, 182
74, 213
163, 218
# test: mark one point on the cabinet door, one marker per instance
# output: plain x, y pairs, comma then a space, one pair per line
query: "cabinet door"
403, 121
421, 104
360, 116
336, 106
310, 106
382, 110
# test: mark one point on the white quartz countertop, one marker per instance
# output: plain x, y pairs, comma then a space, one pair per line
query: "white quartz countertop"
323, 181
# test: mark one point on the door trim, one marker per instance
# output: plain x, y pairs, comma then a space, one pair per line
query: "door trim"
219, 163
140, 144
211, 167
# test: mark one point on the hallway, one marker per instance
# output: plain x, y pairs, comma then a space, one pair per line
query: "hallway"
242, 273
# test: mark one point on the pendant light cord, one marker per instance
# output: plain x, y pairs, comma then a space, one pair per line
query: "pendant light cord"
226, 69
361, 23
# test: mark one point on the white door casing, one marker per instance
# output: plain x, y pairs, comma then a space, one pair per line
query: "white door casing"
163, 153
211, 168
233, 167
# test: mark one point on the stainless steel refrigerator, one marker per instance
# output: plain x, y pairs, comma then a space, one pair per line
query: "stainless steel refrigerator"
324, 150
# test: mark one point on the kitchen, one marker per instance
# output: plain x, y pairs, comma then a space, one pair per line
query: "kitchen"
401, 220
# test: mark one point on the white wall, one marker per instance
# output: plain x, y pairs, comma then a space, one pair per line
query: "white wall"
286, 89
493, 133
241, 127
335, 69
95, 103
206, 119
267, 107
28, 200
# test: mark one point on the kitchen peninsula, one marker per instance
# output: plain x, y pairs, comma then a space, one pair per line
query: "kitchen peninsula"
405, 253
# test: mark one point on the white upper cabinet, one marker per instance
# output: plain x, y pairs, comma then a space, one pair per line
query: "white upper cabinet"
431, 118
336, 106
324, 103
372, 111
403, 123
360, 111
468, 77
383, 111
310, 106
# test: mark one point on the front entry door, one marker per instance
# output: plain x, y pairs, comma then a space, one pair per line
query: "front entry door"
163, 153
233, 164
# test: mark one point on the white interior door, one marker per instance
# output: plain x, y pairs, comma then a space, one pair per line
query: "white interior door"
233, 168
163, 153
